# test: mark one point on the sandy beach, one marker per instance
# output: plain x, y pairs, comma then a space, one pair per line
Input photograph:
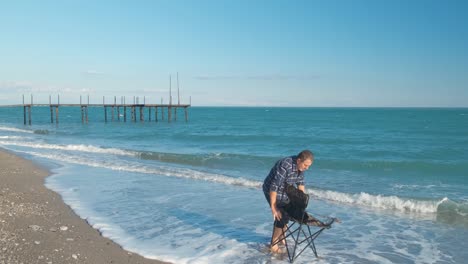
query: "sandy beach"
37, 227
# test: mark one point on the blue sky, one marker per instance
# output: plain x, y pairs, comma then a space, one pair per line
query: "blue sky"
241, 53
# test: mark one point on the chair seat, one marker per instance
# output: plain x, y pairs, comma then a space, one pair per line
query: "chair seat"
309, 220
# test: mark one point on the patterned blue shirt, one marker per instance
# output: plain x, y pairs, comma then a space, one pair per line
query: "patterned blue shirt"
284, 171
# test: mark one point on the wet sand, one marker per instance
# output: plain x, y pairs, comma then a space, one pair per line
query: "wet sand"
37, 227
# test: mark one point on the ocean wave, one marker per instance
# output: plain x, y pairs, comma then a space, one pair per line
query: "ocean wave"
453, 213
442, 207
215, 160
205, 159
422, 166
380, 201
413, 186
81, 148
41, 131
196, 159
162, 170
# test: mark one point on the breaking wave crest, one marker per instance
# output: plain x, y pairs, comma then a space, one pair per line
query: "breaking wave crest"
12, 129
380, 201
161, 170
197, 159
81, 148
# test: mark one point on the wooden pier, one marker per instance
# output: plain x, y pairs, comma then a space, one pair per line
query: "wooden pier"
115, 109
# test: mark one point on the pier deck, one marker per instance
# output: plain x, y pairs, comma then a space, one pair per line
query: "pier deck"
27, 115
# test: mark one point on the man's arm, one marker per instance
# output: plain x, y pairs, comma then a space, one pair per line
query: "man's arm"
274, 210
278, 180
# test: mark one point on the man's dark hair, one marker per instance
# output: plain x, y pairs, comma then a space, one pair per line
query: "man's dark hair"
305, 155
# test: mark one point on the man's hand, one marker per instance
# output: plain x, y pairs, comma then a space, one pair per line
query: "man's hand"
301, 187
276, 213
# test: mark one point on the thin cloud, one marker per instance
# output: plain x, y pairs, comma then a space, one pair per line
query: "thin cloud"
216, 77
29, 87
93, 73
149, 90
16, 86
275, 77
263, 77
246, 103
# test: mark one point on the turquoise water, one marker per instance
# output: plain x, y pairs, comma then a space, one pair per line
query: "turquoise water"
189, 192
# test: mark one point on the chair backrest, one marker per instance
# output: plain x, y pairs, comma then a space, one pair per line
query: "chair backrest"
297, 198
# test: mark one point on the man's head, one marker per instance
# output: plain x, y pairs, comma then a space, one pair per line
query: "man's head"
304, 160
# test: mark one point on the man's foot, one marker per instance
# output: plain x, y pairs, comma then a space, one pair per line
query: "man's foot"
277, 250
282, 242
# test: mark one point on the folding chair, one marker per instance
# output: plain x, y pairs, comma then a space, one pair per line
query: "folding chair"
300, 232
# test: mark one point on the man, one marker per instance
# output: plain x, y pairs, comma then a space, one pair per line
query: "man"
288, 170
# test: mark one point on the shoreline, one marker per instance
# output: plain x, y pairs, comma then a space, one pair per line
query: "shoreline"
36, 226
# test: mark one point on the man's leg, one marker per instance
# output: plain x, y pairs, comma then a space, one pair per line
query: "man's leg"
275, 239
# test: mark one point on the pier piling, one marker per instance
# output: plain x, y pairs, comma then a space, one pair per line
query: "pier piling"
155, 114
29, 111
142, 118
56, 114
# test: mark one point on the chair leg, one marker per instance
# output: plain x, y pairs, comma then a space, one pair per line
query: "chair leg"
296, 242
299, 235
272, 232
309, 238
310, 241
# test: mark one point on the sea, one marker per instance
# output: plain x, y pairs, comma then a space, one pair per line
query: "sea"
190, 191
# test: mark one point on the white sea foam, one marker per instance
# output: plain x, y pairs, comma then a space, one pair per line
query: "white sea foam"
210, 247
413, 186
461, 213
178, 247
10, 137
12, 129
